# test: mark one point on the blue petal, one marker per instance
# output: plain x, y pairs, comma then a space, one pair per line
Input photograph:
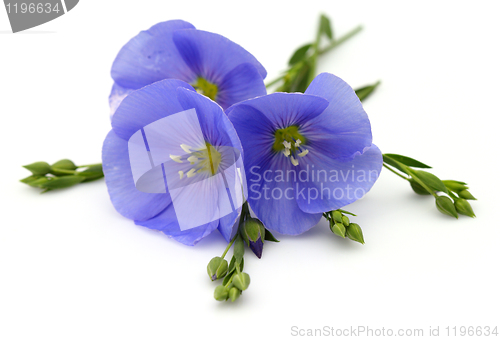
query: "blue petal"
332, 184
211, 55
344, 121
282, 109
226, 224
126, 199
166, 222
274, 201
117, 95
151, 56
216, 127
242, 83
145, 106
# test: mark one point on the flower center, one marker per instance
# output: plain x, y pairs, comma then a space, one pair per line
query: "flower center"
206, 159
291, 143
206, 88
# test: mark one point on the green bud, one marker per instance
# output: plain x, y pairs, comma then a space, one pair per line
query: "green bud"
345, 220
38, 168
252, 230
445, 205
455, 185
417, 188
241, 281
354, 232
217, 268
221, 293
337, 216
62, 182
338, 229
63, 164
234, 293
465, 194
30, 179
39, 183
463, 207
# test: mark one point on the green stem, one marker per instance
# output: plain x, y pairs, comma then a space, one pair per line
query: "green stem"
341, 40
229, 246
394, 171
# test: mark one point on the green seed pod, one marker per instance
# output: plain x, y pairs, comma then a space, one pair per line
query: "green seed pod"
337, 216
455, 185
354, 232
62, 182
221, 293
465, 194
338, 229
241, 281
217, 268
63, 164
234, 293
345, 220
417, 188
38, 168
463, 207
446, 206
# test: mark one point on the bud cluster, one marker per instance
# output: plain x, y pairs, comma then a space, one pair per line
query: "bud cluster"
456, 193
341, 226
61, 174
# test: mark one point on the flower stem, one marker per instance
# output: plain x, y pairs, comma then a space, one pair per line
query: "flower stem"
397, 173
341, 40
314, 56
229, 246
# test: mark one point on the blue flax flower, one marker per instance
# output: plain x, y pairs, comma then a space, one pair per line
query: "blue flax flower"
305, 153
172, 162
215, 66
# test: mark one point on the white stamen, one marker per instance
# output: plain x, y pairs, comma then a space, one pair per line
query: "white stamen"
186, 148
303, 153
192, 159
176, 158
181, 174
191, 173
287, 145
286, 152
294, 161
297, 143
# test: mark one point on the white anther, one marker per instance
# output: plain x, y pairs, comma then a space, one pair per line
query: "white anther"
192, 159
287, 145
297, 143
186, 148
176, 158
191, 173
181, 174
303, 153
294, 161
286, 152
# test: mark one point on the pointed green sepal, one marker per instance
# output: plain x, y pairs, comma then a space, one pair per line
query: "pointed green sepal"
445, 205
221, 293
217, 268
465, 194
38, 168
354, 232
463, 207
241, 281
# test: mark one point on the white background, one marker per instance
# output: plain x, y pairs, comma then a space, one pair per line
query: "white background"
71, 267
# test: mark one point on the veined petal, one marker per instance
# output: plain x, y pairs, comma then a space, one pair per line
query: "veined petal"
273, 197
126, 199
166, 222
331, 184
147, 105
343, 124
117, 95
151, 56
241, 83
283, 109
211, 55
215, 125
